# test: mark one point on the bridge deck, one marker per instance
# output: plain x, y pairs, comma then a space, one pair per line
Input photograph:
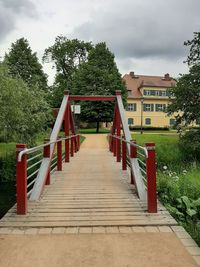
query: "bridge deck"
92, 190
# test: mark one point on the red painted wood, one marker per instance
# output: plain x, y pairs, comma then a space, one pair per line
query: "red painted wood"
21, 181
72, 146
59, 155
46, 154
118, 128
133, 154
124, 150
66, 127
114, 146
151, 178
92, 98
79, 142
118, 92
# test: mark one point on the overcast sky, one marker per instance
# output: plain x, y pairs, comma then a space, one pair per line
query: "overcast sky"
146, 36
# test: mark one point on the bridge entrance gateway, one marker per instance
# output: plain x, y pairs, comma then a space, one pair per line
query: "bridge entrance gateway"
94, 188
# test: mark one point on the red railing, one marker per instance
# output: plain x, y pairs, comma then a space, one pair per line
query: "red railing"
146, 158
27, 168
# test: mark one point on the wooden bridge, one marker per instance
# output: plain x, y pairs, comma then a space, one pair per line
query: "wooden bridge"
92, 190
106, 185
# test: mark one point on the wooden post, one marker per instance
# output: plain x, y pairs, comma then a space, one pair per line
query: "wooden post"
111, 144
76, 143
114, 146
59, 155
46, 154
118, 141
67, 124
72, 146
151, 178
21, 180
124, 149
133, 154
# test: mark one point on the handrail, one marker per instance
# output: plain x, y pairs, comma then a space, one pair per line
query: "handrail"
131, 143
36, 148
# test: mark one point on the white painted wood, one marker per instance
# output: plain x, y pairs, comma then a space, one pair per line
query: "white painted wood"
142, 193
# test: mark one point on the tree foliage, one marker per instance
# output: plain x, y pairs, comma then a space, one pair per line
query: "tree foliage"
23, 64
194, 54
98, 76
67, 56
23, 113
187, 91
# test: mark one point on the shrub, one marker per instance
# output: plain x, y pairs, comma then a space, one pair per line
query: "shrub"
190, 145
7, 167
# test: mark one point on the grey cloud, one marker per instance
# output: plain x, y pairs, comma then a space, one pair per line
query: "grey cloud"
10, 11
143, 29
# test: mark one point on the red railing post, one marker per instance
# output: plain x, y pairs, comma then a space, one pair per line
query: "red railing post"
21, 180
133, 154
124, 149
110, 143
118, 147
114, 146
66, 123
59, 155
72, 146
46, 154
151, 178
76, 143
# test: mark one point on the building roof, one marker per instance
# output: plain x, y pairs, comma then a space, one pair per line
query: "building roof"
135, 82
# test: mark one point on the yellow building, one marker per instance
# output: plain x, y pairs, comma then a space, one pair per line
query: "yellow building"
147, 100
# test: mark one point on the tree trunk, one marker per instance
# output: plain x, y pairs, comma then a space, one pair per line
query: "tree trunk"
97, 129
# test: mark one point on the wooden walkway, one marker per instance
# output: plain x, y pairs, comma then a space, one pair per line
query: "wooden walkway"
92, 190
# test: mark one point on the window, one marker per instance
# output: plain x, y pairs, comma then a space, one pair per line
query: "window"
148, 107
148, 121
160, 107
155, 92
172, 122
129, 93
147, 92
131, 107
130, 121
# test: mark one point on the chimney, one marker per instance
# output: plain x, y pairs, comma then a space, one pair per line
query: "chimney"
167, 77
132, 74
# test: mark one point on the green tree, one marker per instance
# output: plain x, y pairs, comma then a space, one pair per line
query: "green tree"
23, 63
23, 112
67, 55
98, 76
186, 93
186, 101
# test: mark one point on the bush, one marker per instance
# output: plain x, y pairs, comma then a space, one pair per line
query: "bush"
190, 145
7, 167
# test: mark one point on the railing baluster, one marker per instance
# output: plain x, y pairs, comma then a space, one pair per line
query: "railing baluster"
151, 178
114, 146
133, 155
124, 150
72, 146
46, 154
21, 180
59, 155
